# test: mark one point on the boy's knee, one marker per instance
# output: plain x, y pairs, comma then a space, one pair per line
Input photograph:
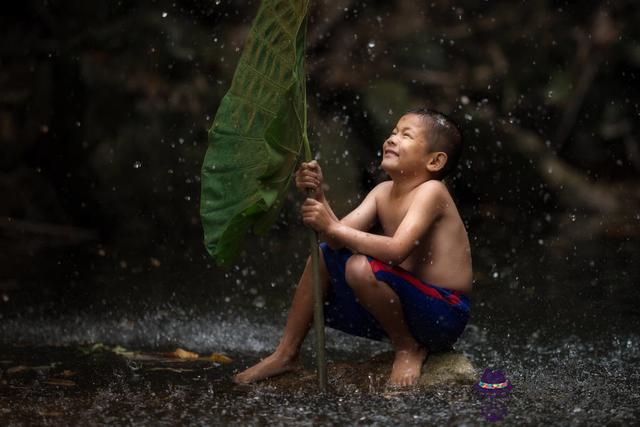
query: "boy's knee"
358, 271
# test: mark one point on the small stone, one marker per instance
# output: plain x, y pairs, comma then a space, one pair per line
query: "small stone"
447, 368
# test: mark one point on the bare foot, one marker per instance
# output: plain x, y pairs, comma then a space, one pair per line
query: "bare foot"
407, 366
271, 366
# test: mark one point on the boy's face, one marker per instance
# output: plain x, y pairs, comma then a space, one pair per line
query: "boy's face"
406, 149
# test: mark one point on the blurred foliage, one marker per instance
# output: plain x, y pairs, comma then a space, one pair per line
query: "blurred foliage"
104, 109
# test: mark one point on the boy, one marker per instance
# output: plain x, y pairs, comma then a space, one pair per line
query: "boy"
381, 286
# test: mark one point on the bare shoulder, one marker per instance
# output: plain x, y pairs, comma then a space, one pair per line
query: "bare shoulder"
432, 191
433, 197
383, 186
382, 189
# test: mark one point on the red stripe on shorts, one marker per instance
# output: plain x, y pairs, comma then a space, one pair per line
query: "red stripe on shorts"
425, 289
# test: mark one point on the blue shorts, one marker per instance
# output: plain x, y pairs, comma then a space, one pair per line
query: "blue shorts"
435, 316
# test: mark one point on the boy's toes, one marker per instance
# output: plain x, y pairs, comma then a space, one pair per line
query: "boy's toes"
407, 367
240, 379
406, 381
401, 381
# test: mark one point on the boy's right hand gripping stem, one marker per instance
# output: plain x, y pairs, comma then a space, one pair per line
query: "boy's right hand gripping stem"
309, 177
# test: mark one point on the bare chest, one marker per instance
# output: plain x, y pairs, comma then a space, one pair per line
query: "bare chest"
391, 212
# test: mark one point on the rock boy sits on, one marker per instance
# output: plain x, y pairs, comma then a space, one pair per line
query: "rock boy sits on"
410, 284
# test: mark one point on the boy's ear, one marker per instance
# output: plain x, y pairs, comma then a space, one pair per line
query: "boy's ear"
437, 161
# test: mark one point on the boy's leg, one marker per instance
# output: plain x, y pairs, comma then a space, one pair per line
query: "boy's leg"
384, 304
299, 319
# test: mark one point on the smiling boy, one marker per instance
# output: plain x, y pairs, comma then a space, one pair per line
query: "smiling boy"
410, 284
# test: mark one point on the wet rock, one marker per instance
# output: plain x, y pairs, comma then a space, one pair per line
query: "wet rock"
447, 369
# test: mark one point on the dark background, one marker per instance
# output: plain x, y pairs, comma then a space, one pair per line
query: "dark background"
104, 108
104, 112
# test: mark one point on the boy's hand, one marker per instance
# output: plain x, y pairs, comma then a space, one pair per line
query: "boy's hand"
309, 176
316, 216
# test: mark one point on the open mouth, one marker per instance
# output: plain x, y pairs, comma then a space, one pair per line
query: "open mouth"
390, 153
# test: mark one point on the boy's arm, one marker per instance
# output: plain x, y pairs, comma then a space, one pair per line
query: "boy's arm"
425, 209
361, 218
309, 177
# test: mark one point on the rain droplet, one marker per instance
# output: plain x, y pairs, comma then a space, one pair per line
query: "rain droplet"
137, 164
164, 14
371, 44
259, 301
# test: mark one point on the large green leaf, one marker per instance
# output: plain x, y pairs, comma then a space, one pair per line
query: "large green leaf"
258, 131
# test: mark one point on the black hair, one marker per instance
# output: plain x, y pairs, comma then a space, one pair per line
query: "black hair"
443, 134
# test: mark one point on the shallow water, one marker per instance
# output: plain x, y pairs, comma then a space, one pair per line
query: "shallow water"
561, 322
560, 382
